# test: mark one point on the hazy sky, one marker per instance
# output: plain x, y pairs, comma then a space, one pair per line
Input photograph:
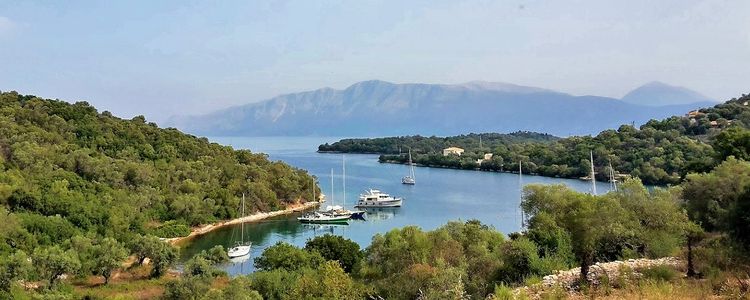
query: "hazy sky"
160, 58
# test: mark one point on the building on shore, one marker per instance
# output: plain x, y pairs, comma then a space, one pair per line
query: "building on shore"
453, 151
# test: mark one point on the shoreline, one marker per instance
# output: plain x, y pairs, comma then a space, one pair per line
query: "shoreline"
198, 231
395, 162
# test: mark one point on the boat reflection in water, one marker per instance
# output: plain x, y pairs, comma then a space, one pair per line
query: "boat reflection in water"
239, 259
324, 228
381, 213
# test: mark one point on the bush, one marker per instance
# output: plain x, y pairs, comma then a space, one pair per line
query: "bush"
215, 255
171, 229
334, 247
520, 256
287, 257
201, 267
660, 273
503, 292
188, 288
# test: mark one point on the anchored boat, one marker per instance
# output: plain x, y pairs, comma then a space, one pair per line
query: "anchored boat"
376, 198
240, 249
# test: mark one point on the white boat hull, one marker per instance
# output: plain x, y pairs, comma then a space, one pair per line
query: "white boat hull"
381, 203
239, 251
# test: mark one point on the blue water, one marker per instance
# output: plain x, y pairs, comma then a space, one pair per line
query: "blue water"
440, 195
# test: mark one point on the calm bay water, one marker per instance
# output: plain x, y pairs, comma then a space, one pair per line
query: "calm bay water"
440, 195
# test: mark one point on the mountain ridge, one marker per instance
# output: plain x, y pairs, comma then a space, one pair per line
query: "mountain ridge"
377, 107
657, 93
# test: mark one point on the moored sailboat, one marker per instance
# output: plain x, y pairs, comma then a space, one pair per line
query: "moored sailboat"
240, 248
409, 179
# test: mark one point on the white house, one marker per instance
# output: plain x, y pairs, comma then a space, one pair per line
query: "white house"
453, 151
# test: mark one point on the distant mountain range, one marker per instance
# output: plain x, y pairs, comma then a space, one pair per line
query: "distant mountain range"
379, 108
659, 94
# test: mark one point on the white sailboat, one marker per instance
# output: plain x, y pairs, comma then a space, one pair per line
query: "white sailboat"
327, 216
520, 191
240, 249
340, 210
409, 179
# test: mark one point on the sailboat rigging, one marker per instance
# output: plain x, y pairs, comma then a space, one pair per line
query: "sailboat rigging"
612, 179
240, 249
593, 174
520, 193
409, 179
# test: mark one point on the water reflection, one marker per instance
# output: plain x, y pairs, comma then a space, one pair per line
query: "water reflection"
380, 214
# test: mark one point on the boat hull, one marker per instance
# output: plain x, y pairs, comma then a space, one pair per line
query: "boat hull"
239, 251
376, 204
323, 221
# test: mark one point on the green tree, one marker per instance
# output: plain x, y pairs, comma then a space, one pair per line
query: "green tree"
51, 262
12, 268
334, 247
215, 255
709, 197
108, 256
734, 141
162, 256
274, 284
519, 257
287, 257
329, 281
589, 220
201, 267
239, 288
188, 288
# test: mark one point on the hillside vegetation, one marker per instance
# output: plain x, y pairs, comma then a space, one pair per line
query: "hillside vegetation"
433, 144
659, 152
66, 169
65, 213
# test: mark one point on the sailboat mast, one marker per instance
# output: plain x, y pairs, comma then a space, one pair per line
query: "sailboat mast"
593, 174
242, 230
332, 186
520, 192
411, 165
612, 177
343, 180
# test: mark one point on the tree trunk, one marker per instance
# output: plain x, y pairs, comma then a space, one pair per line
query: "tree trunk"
52, 279
586, 262
690, 267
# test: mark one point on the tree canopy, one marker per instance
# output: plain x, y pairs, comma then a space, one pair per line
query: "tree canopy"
67, 169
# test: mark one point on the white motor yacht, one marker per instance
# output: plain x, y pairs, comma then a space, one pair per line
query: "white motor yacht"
376, 198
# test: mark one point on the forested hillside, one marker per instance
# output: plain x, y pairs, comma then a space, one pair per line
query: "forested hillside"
66, 169
659, 152
421, 144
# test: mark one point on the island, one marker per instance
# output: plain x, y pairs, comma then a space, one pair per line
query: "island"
658, 152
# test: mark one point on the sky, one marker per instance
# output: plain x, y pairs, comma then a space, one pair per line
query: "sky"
164, 58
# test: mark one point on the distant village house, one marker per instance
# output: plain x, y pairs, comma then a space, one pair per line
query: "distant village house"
453, 151
487, 157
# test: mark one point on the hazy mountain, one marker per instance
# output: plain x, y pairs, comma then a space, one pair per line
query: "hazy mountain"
659, 94
378, 108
